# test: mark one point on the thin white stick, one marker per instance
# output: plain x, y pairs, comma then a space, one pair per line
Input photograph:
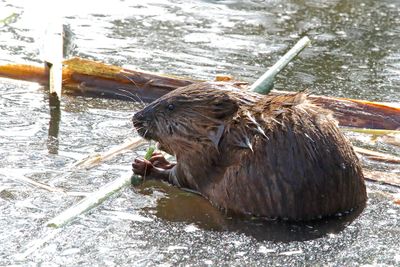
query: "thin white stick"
95, 159
53, 55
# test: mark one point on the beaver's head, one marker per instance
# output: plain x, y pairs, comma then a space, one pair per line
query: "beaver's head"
187, 118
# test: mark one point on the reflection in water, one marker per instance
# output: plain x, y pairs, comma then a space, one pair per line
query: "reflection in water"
54, 124
181, 206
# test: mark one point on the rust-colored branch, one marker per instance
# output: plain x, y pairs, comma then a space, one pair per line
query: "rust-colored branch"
362, 114
24, 72
90, 78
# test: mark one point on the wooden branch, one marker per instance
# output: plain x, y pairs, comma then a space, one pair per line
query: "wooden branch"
30, 73
362, 114
90, 78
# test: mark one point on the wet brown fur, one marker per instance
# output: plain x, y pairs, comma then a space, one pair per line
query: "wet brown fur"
270, 156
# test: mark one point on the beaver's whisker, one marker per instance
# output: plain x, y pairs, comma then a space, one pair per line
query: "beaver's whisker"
127, 92
147, 130
130, 79
134, 83
139, 128
126, 96
131, 96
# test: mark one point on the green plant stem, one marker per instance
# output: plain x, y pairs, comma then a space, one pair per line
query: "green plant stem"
265, 83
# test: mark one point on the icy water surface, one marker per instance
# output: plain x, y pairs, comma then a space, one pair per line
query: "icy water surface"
355, 53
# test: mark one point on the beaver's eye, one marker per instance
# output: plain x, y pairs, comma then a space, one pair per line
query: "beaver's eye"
170, 107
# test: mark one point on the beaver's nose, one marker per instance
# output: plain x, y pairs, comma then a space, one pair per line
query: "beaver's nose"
144, 116
142, 124
138, 120
138, 116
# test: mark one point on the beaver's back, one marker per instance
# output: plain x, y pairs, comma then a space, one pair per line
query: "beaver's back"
301, 167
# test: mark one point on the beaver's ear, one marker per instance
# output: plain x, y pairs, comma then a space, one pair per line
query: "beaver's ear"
224, 107
215, 134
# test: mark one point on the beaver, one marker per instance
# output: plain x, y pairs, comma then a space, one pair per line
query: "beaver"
273, 156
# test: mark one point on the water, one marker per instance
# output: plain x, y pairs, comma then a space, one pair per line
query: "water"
355, 53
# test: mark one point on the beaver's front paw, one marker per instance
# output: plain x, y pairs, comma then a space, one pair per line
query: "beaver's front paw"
142, 167
158, 160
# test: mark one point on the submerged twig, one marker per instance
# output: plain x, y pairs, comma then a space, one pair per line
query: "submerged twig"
371, 131
22, 178
36, 244
89, 202
378, 156
387, 178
